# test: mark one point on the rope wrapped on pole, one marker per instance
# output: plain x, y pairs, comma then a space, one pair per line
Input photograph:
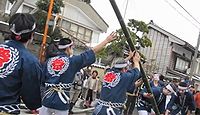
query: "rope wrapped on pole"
131, 45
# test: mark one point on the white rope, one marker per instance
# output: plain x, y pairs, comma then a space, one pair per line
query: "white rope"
64, 86
60, 89
10, 108
109, 104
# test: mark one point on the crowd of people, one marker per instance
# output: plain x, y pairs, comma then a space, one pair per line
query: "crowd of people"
55, 85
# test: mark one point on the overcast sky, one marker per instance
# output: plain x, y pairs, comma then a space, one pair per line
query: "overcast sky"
157, 10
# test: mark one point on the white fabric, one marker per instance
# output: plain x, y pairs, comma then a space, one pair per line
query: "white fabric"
48, 111
56, 40
64, 46
110, 111
120, 65
92, 83
13, 29
169, 87
142, 112
168, 97
156, 77
182, 88
85, 83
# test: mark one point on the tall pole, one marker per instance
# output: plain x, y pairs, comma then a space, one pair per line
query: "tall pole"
193, 65
130, 42
44, 39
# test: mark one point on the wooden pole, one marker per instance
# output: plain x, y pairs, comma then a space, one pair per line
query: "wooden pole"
129, 40
44, 39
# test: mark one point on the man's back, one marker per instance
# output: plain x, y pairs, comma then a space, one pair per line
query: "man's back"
19, 71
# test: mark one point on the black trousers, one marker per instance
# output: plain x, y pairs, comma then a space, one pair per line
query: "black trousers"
130, 105
89, 95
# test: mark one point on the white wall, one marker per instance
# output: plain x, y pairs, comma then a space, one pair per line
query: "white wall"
75, 15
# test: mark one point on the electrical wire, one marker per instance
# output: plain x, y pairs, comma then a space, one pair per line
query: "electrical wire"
187, 12
125, 9
182, 14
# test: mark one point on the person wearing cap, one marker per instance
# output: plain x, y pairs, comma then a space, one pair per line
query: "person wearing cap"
59, 73
52, 50
115, 84
182, 102
20, 71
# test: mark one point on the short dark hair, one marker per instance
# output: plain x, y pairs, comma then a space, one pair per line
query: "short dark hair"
95, 71
161, 77
64, 41
19, 22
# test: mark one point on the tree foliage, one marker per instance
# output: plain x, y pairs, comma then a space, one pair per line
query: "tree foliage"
151, 67
44, 5
41, 16
138, 31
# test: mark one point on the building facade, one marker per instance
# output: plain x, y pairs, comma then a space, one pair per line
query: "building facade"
169, 55
77, 19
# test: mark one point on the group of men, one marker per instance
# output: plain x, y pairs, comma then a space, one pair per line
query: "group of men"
22, 76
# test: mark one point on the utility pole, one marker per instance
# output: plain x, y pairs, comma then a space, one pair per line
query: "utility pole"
44, 39
193, 64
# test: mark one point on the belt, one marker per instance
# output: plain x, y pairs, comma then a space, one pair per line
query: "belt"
60, 89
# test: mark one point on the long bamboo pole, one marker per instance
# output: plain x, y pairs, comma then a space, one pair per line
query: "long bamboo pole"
44, 39
128, 38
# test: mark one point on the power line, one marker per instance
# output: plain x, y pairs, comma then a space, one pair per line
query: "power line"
125, 9
181, 14
187, 12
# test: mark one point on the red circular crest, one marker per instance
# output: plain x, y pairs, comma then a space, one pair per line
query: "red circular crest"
109, 77
4, 56
58, 64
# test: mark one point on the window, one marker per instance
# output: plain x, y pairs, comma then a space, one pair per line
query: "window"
181, 65
198, 68
88, 35
73, 29
65, 24
80, 32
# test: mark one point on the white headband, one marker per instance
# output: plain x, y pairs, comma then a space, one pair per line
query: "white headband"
65, 46
56, 40
156, 76
169, 87
120, 65
182, 88
12, 29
